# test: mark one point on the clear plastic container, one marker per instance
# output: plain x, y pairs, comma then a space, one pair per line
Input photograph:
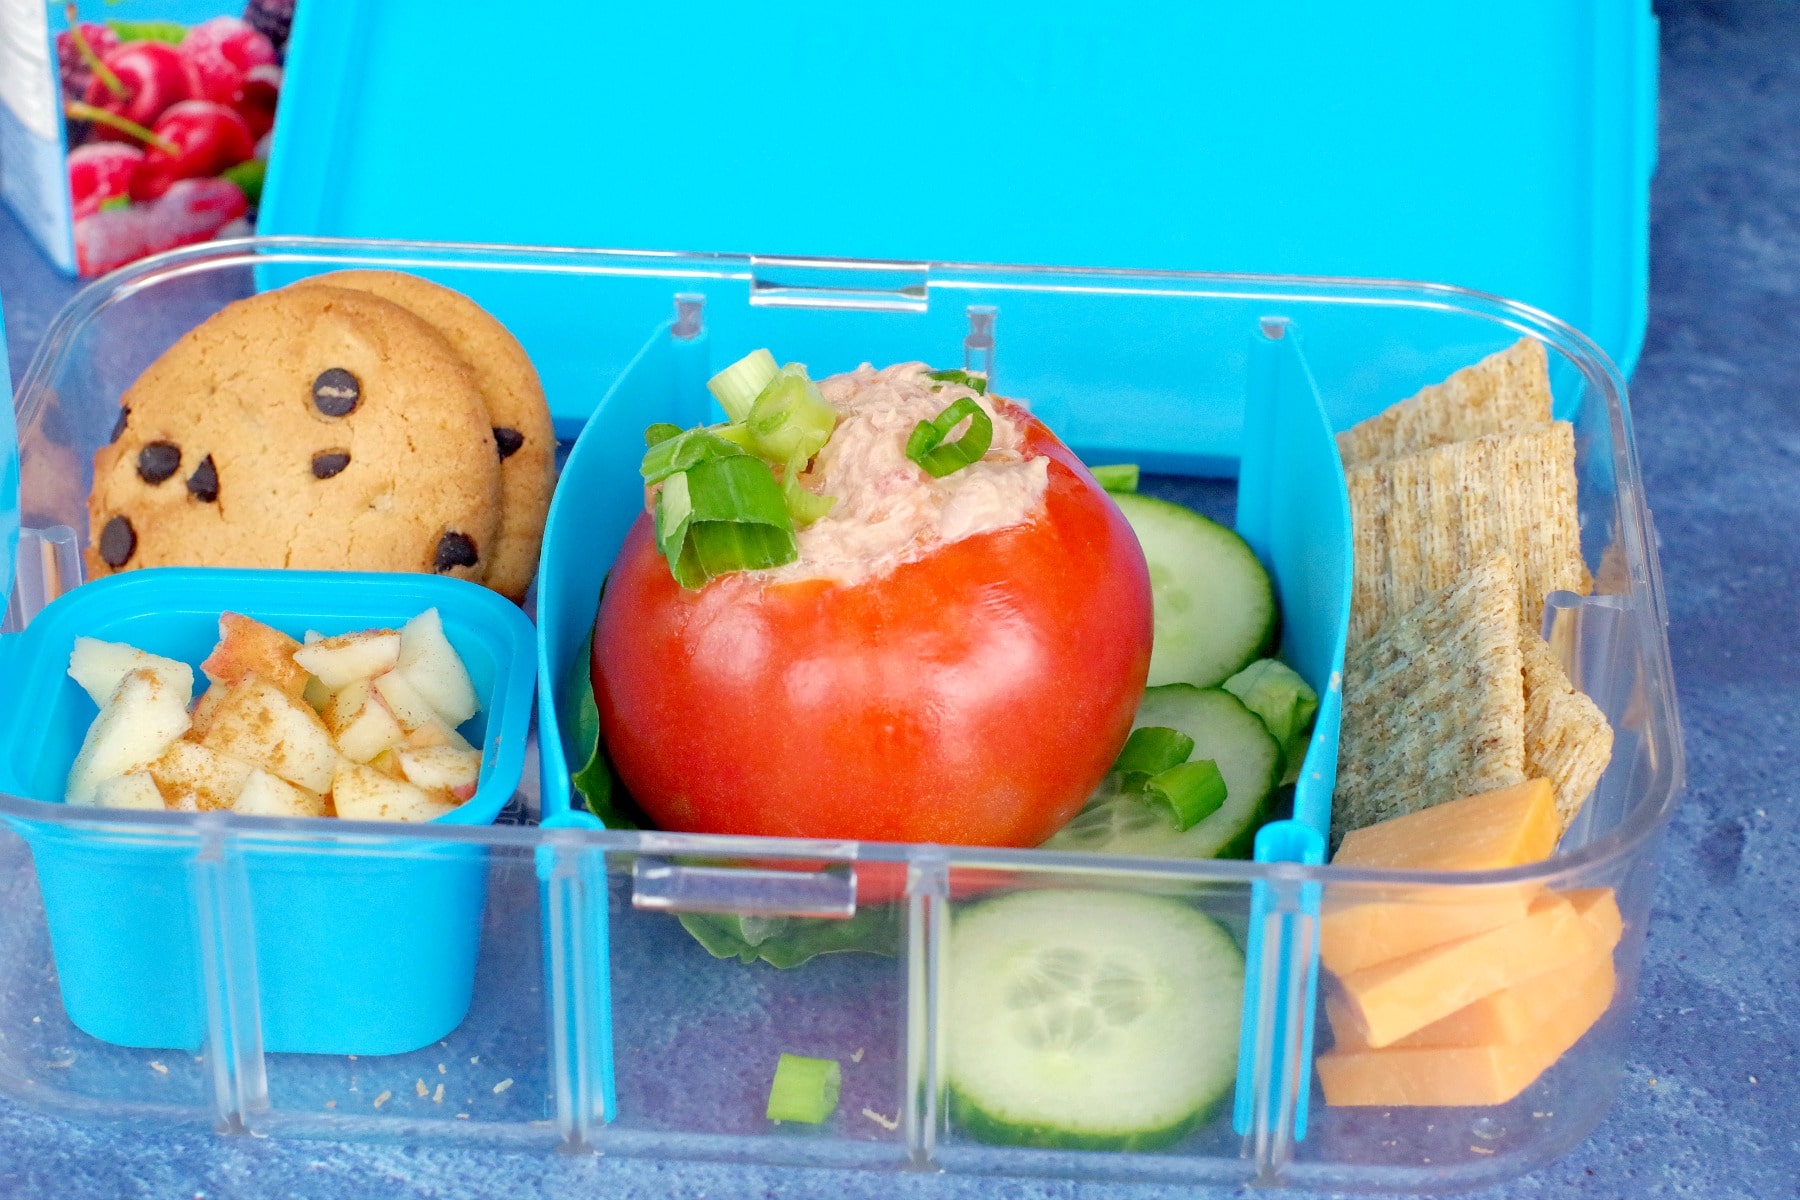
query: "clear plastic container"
595, 1021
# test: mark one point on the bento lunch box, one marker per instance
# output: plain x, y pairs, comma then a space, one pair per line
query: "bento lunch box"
534, 984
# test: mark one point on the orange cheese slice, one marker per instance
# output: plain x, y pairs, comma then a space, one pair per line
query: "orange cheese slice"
1467, 1075
1390, 1000
1512, 1014
1507, 827
1502, 828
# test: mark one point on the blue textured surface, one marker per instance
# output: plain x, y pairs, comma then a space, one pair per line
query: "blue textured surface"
1711, 1104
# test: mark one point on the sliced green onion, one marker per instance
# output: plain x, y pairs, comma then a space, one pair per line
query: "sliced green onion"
805, 1089
1116, 477
939, 458
662, 431
790, 418
977, 383
802, 505
734, 432
736, 387
687, 448
1286, 703
1192, 791
1152, 750
723, 514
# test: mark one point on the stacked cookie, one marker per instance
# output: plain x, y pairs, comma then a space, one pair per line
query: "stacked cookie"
359, 421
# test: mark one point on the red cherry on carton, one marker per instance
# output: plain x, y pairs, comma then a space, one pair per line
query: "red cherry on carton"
221, 53
206, 138
101, 171
72, 64
192, 210
154, 75
256, 100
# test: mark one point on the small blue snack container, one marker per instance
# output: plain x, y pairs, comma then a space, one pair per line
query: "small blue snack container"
353, 943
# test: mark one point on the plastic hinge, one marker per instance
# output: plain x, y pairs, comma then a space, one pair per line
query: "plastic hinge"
227, 948
578, 979
872, 287
661, 886
49, 564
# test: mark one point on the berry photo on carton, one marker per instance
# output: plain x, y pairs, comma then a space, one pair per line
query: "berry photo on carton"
167, 127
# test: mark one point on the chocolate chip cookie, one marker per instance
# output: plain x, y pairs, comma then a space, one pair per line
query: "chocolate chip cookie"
317, 428
523, 436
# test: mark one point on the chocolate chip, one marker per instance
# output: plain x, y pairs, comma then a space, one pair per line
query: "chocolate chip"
119, 425
329, 463
508, 440
336, 392
203, 484
118, 542
158, 460
454, 550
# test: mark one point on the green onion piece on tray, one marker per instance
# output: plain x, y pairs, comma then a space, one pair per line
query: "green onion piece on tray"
805, 1089
1116, 477
803, 506
737, 386
671, 455
978, 383
723, 514
790, 418
662, 431
1285, 702
938, 457
1192, 791
1152, 750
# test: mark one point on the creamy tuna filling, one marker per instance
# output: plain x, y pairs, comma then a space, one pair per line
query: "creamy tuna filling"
888, 510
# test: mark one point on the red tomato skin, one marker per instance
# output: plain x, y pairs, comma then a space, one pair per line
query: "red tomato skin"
974, 697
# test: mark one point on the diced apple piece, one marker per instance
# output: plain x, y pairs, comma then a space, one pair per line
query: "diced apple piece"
184, 803
362, 793
361, 723
404, 701
211, 777
265, 795
99, 666
137, 724
431, 665
454, 770
388, 763
316, 694
261, 724
208, 704
136, 790
247, 647
341, 660
435, 733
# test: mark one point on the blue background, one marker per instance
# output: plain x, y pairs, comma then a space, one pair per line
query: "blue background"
1710, 1107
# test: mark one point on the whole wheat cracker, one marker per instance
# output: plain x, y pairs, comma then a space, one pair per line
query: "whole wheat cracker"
1502, 393
1422, 520
1434, 703
1567, 739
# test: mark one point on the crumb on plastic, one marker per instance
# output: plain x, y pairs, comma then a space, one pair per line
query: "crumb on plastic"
857, 1057
888, 1123
382, 1099
462, 1116
437, 1097
474, 1059
331, 1104
421, 1089
1479, 1150
502, 1085
158, 1067
442, 1070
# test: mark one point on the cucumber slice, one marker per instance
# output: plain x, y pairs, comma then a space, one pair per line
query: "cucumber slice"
1119, 822
1089, 1020
1213, 604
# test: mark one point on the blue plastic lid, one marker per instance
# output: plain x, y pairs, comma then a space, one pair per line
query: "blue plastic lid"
1506, 148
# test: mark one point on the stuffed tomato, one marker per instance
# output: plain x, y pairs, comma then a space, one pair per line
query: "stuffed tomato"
947, 644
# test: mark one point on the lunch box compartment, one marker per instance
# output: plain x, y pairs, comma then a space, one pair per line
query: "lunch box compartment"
594, 1021
358, 945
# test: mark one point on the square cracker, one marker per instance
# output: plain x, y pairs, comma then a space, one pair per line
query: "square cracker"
1419, 522
1434, 703
1567, 739
1502, 393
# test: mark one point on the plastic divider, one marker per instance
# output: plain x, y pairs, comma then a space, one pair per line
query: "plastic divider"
1293, 509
